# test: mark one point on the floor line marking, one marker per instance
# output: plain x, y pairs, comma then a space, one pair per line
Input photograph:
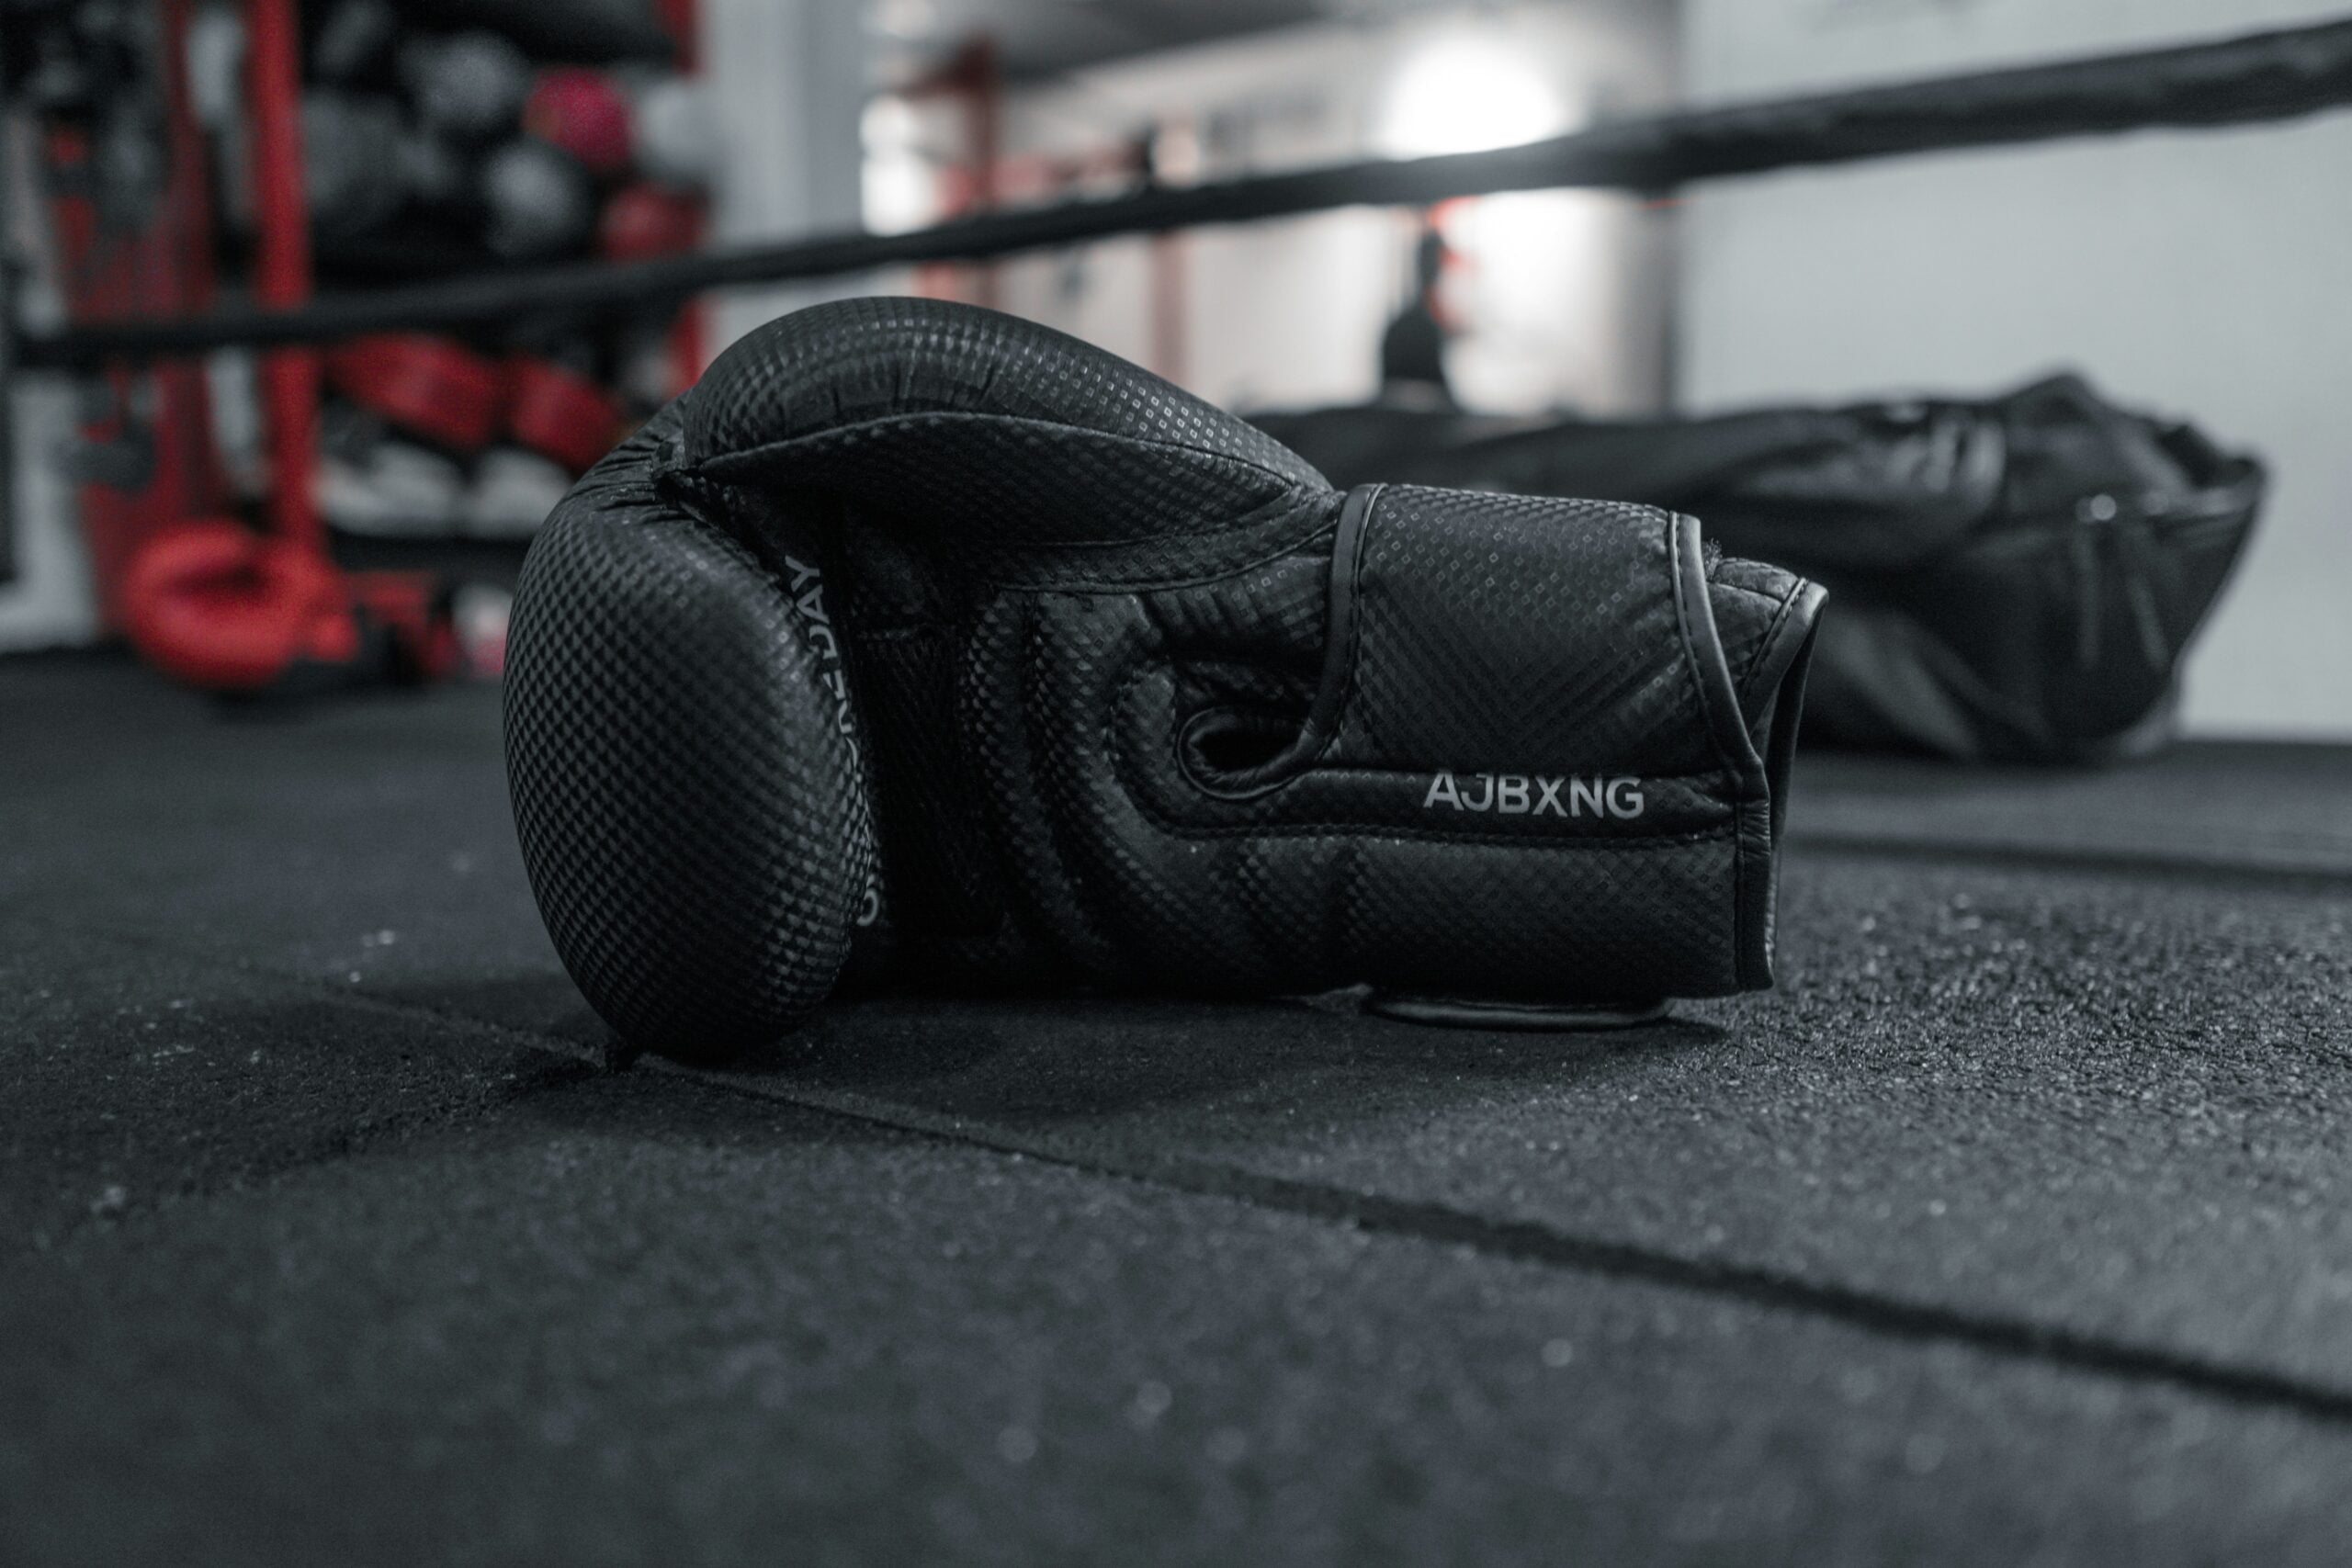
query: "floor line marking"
1530, 1242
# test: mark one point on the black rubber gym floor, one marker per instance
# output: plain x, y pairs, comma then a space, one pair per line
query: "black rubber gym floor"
2017, 1226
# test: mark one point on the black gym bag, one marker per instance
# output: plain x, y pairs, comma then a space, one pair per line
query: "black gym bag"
2011, 580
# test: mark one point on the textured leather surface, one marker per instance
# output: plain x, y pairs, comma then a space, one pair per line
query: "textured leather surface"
919, 645
2018, 579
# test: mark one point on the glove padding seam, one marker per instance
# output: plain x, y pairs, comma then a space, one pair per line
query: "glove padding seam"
916, 417
1141, 585
1147, 452
1684, 609
1772, 633
1347, 706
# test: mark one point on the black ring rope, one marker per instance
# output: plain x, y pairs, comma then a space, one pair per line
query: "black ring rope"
2261, 76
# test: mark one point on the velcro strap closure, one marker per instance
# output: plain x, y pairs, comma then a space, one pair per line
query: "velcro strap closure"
1518, 637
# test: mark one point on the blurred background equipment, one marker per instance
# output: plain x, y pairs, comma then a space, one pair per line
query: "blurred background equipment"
1513, 218
512, 492
2017, 579
217, 606
213, 604
674, 136
647, 220
354, 41
433, 386
2010, 1229
470, 86
370, 481
540, 201
561, 412
352, 162
166, 155
584, 113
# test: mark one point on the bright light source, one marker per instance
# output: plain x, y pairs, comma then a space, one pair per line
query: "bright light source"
902, 189
911, 19
1465, 93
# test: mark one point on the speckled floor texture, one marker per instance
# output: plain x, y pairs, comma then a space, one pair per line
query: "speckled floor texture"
2015, 1227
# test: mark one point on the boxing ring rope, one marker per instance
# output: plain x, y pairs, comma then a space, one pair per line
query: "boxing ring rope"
2262, 76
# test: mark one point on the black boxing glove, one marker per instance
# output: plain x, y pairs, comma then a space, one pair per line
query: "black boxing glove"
922, 644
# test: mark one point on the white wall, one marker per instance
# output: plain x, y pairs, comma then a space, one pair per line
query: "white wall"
787, 83
2205, 273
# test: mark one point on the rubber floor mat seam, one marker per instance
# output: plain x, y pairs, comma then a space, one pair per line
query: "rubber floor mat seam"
1528, 1242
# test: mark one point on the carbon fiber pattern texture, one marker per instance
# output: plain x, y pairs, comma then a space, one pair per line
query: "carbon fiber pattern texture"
915, 612
685, 827
1479, 620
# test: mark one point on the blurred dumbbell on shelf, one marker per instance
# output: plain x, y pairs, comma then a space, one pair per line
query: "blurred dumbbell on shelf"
470, 87
366, 163
539, 203
584, 113
419, 408
369, 481
352, 168
511, 493
673, 132
647, 219
355, 43
435, 172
